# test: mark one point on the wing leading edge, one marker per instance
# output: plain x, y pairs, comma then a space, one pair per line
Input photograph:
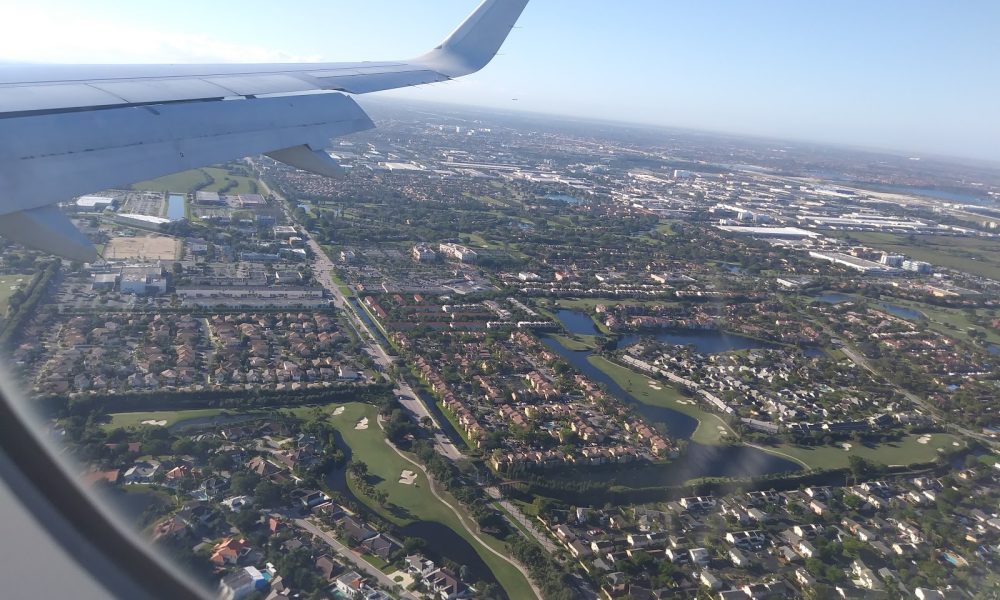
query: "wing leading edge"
66, 130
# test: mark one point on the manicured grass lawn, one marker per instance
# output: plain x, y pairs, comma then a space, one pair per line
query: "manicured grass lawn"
575, 342
637, 384
906, 451
972, 255
135, 419
407, 503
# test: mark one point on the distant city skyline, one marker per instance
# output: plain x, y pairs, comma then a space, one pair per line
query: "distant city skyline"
909, 77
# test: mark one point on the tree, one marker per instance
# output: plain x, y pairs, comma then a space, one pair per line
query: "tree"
268, 494
358, 468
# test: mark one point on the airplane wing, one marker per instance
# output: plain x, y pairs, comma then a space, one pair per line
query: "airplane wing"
66, 130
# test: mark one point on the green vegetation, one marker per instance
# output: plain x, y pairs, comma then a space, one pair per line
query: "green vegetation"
162, 417
576, 342
952, 322
709, 424
8, 285
181, 183
407, 503
906, 451
972, 255
208, 179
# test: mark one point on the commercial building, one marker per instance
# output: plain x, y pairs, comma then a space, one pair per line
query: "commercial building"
423, 253
769, 232
459, 252
143, 280
867, 267
94, 203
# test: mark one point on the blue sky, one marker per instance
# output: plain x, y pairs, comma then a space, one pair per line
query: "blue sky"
918, 76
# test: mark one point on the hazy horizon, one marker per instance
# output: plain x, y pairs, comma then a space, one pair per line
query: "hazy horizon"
913, 78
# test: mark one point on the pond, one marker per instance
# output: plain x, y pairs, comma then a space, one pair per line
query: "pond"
175, 207
901, 311
698, 460
834, 297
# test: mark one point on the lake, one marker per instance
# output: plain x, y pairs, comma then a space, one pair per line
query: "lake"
835, 297
698, 460
175, 207
901, 311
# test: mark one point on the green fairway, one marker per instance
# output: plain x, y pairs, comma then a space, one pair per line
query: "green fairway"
710, 425
407, 503
163, 417
906, 451
972, 255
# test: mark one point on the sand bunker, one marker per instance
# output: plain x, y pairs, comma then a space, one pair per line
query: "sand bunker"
338, 410
847, 447
407, 477
362, 424
924, 439
160, 422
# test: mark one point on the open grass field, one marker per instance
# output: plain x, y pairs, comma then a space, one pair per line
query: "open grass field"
149, 247
209, 179
222, 177
978, 256
407, 503
184, 182
8, 285
637, 384
906, 451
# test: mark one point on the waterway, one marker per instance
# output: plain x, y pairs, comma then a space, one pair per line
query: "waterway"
698, 460
176, 207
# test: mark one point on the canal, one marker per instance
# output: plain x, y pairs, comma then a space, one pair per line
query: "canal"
698, 460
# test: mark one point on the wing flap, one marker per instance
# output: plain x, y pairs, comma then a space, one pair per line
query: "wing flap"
73, 87
116, 147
